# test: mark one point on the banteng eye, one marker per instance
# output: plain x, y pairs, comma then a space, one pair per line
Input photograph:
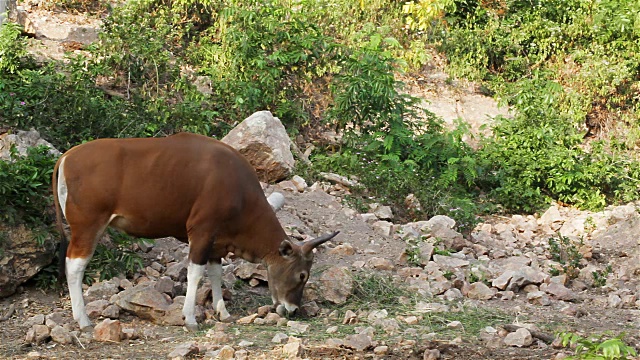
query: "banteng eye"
303, 276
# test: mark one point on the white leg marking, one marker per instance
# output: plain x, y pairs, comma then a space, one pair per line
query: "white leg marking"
194, 274
62, 188
75, 273
215, 276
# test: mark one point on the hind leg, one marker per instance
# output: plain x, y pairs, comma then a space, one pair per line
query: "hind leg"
80, 250
214, 271
200, 243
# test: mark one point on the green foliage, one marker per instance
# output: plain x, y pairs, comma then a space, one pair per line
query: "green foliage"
565, 252
25, 184
422, 13
597, 348
114, 259
376, 291
600, 276
262, 56
47, 277
12, 48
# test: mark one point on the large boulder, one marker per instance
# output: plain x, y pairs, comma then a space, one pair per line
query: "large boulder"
263, 140
21, 257
23, 140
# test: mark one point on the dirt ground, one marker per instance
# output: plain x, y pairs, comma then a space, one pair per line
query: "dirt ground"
308, 214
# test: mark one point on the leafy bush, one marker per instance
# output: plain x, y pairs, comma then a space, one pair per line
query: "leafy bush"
262, 56
566, 253
392, 146
598, 347
12, 48
25, 185
114, 259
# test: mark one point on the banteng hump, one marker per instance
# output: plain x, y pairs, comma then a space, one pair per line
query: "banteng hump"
196, 189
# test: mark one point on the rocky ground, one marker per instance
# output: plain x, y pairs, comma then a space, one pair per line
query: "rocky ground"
380, 290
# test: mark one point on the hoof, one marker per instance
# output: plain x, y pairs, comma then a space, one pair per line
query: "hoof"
192, 327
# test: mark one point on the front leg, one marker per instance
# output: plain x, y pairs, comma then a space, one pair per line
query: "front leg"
194, 275
215, 276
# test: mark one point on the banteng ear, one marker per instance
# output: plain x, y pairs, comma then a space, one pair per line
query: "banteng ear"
286, 248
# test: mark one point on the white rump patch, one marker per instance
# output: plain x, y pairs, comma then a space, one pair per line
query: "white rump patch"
63, 191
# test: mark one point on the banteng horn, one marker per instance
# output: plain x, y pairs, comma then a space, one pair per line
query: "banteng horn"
308, 246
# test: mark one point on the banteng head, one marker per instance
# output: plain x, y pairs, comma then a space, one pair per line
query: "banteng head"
289, 272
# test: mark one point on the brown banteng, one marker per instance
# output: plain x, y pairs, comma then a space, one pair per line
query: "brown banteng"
196, 189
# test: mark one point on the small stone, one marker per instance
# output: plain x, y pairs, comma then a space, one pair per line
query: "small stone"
280, 338
61, 335
35, 320
332, 330
245, 343
431, 354
247, 319
502, 281
95, 308
343, 249
560, 291
453, 294
377, 314
380, 264
264, 310
349, 318
38, 334
383, 227
272, 318
299, 183
411, 320
165, 285
184, 350
358, 342
455, 325
108, 330
381, 350
129, 334
241, 354
539, 298
111, 312
614, 301
311, 308
226, 353
294, 349
336, 284
480, 291
520, 338
298, 327
449, 261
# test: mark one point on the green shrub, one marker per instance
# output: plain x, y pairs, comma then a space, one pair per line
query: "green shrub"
116, 258
25, 185
262, 56
13, 48
391, 145
598, 347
